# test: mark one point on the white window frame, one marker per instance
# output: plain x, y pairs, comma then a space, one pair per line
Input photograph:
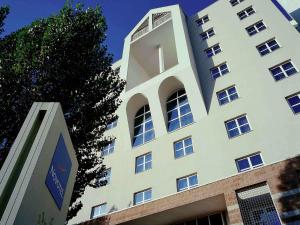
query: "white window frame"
236, 2
144, 200
291, 106
202, 20
183, 147
256, 28
143, 164
246, 13
212, 48
251, 167
93, 216
227, 95
112, 125
282, 69
108, 149
107, 177
219, 70
207, 35
188, 182
266, 43
238, 126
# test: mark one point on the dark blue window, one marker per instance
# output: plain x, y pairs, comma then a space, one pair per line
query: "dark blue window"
256, 28
227, 95
213, 51
249, 162
143, 126
294, 102
183, 147
218, 71
237, 126
246, 12
143, 163
187, 182
178, 110
283, 70
268, 47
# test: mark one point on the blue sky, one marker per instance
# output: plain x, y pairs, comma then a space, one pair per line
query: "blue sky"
121, 15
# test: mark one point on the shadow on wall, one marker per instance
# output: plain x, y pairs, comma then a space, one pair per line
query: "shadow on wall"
290, 181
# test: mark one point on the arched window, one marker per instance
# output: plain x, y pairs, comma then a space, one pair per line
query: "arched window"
143, 126
178, 110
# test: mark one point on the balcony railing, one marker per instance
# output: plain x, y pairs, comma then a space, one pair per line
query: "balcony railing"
161, 20
139, 33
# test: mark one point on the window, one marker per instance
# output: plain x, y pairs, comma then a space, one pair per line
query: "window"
98, 210
267, 47
294, 102
142, 197
112, 125
235, 2
283, 70
106, 177
207, 34
183, 147
213, 50
214, 219
246, 12
178, 111
218, 71
227, 95
256, 28
108, 149
202, 20
237, 126
249, 162
143, 163
187, 182
117, 70
143, 126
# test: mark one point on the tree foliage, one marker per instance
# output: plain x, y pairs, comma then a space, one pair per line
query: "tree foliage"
4, 10
62, 59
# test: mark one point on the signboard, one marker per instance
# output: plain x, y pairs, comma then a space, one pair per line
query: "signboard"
58, 173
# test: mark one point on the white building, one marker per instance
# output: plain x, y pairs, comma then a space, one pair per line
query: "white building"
208, 131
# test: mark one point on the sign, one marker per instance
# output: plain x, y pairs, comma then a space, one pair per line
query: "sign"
59, 171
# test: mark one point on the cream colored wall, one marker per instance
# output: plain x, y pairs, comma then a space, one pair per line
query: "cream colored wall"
275, 128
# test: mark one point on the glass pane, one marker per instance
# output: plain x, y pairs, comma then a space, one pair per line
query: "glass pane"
140, 160
148, 126
139, 168
147, 108
231, 124
182, 184
291, 71
245, 128
193, 180
187, 119
287, 66
203, 221
138, 140
178, 145
216, 219
181, 92
138, 198
179, 153
138, 120
251, 30
296, 109
173, 96
148, 165
171, 105
188, 141
189, 150
148, 157
256, 160
233, 133
148, 195
185, 109
173, 115
140, 112
243, 164
231, 90
222, 94
138, 130
242, 120
294, 100
209, 52
233, 97
183, 100
224, 101
147, 116
173, 125
149, 135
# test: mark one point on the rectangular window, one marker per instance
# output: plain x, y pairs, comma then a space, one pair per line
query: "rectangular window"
106, 177
256, 28
283, 70
294, 102
143, 163
227, 95
267, 47
108, 149
207, 34
246, 12
99, 210
213, 50
183, 147
218, 71
112, 125
249, 162
237, 126
202, 20
142, 196
187, 182
235, 2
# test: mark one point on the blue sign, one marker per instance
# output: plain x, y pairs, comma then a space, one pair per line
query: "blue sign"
58, 173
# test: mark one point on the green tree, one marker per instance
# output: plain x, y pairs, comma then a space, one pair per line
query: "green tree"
62, 59
4, 10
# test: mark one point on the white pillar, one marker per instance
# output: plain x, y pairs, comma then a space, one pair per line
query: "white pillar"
161, 59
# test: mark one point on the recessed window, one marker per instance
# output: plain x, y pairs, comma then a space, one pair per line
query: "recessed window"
256, 28
246, 12
142, 197
294, 102
183, 147
106, 177
219, 71
283, 70
112, 125
227, 95
108, 149
143, 163
213, 50
267, 47
207, 34
237, 126
99, 210
143, 126
202, 20
178, 110
235, 2
249, 162
187, 182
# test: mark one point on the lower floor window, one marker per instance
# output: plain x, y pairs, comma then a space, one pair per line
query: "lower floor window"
187, 182
294, 102
249, 162
99, 210
142, 196
214, 219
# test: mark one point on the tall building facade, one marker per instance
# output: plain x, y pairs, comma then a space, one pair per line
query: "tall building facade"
208, 131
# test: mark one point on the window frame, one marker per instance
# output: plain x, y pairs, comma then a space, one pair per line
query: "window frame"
220, 72
207, 35
143, 192
214, 52
97, 206
183, 147
246, 13
280, 65
112, 125
188, 181
256, 28
110, 148
291, 106
227, 95
107, 177
143, 164
237, 2
235, 119
268, 46
251, 166
202, 20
